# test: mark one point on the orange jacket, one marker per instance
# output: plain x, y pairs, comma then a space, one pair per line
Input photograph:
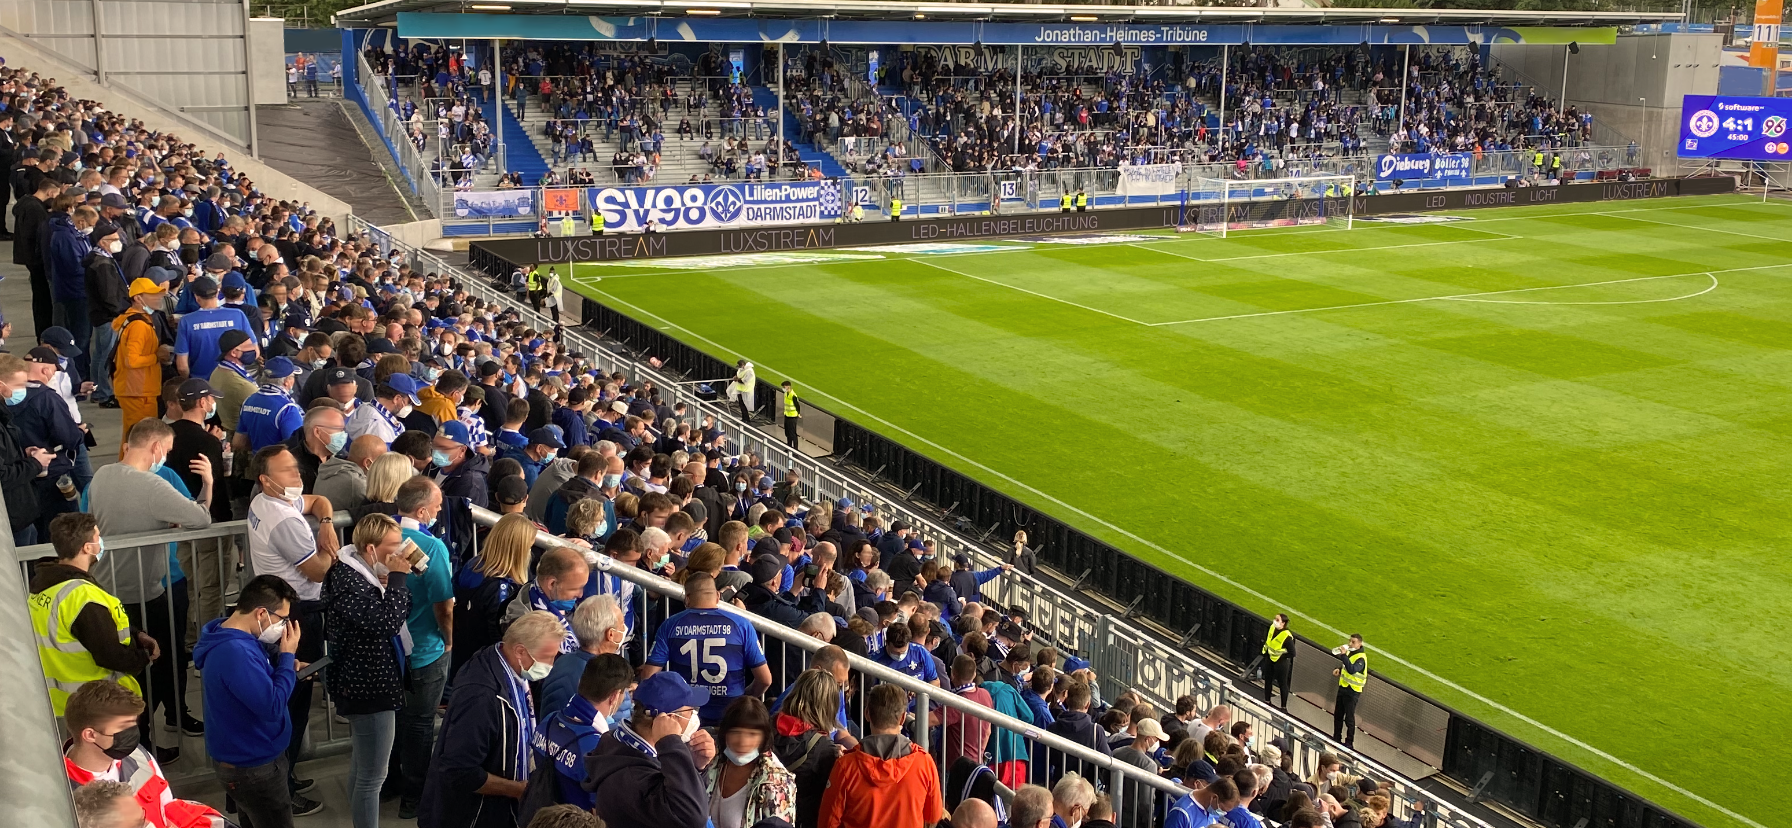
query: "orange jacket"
867, 790
136, 371
435, 405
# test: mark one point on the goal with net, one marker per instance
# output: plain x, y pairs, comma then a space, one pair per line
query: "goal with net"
1219, 205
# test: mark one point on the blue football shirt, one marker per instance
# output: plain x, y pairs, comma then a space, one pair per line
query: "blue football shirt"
711, 649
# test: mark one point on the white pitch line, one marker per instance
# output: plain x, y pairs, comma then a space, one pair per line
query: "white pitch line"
1496, 237
1031, 292
1465, 296
1265, 599
1708, 289
1631, 210
1696, 227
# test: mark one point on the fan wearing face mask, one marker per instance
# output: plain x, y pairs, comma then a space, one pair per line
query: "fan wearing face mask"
392, 402
102, 718
248, 664
649, 770
751, 784
106, 299
480, 768
572, 729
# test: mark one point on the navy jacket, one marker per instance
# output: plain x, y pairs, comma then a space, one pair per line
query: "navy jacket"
1076, 726
479, 735
43, 420
781, 607
663, 791
66, 249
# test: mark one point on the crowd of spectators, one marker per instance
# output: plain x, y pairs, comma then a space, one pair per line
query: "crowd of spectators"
354, 410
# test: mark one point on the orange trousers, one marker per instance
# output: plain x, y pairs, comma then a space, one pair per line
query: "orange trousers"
134, 410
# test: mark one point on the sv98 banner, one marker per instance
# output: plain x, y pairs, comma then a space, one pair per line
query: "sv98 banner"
691, 206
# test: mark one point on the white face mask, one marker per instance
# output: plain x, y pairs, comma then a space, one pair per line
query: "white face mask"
538, 671
294, 492
691, 727
743, 759
114, 247
404, 412
272, 634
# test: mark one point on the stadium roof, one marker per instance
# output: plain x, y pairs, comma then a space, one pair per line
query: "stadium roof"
385, 12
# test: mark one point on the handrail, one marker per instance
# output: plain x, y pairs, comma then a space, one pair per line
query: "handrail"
926, 694
1100, 636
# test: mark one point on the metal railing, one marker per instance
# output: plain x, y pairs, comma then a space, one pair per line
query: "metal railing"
1120, 651
397, 133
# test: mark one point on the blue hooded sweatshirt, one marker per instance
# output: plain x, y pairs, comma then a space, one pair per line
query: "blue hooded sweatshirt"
245, 696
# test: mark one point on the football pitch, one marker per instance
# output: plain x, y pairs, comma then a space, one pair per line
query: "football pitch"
1540, 457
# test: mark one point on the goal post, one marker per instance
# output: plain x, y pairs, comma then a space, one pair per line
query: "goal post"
1220, 205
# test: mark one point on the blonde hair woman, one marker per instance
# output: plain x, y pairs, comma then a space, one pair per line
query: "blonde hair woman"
707, 558
388, 472
486, 584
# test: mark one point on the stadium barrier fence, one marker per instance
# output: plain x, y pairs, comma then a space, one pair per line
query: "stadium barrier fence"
1123, 655
1493, 766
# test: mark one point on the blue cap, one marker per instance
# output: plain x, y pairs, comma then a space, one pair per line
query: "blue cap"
843, 503
668, 692
403, 384
279, 368
298, 319
234, 281
914, 542
456, 431
1073, 664
545, 436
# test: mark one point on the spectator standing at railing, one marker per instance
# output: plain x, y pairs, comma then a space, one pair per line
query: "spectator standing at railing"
247, 698
886, 781
717, 649
747, 784
571, 730
648, 770
368, 596
1076, 725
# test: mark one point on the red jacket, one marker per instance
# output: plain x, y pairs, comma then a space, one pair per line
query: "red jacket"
140, 771
885, 782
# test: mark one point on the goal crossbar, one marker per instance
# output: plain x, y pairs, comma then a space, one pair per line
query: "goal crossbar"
1221, 205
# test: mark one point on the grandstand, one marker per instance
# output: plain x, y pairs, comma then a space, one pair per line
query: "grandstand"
920, 344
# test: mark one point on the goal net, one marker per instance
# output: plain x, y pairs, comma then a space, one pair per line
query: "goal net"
1219, 205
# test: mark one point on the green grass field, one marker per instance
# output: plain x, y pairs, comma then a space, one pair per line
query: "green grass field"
1540, 459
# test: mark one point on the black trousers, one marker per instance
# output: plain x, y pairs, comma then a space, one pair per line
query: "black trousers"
260, 793
168, 674
310, 618
1278, 672
42, 303
790, 424
1344, 716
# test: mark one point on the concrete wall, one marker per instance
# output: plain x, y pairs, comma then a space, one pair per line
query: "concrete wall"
20, 52
1634, 86
267, 54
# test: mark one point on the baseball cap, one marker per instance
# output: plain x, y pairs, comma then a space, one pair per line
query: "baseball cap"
1073, 664
1150, 728
381, 345
205, 287
511, 490
194, 390
1009, 630
43, 355
115, 201
298, 319
339, 376
279, 368
406, 385
619, 407
219, 261
668, 692
141, 286
489, 368
102, 229
545, 436
59, 338
961, 559
767, 568
914, 542
234, 281
843, 503
456, 432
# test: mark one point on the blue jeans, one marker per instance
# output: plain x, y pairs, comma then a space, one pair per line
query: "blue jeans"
417, 726
370, 746
99, 353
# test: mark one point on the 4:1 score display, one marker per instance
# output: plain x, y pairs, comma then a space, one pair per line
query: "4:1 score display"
1740, 129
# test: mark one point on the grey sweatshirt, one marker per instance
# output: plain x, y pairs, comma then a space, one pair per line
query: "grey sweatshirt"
125, 500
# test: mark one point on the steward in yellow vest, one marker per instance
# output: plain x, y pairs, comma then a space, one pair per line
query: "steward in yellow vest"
597, 223
792, 414
1064, 203
895, 209
1278, 658
1082, 200
82, 631
568, 225
1352, 677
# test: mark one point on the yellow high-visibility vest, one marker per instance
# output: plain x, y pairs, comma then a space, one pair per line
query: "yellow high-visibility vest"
1355, 681
597, 222
566, 225
1064, 201
1276, 645
67, 664
1082, 199
895, 206
790, 404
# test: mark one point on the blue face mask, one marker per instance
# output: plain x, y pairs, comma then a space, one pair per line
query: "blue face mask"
624, 710
563, 606
441, 459
157, 465
740, 487
338, 441
17, 396
611, 481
